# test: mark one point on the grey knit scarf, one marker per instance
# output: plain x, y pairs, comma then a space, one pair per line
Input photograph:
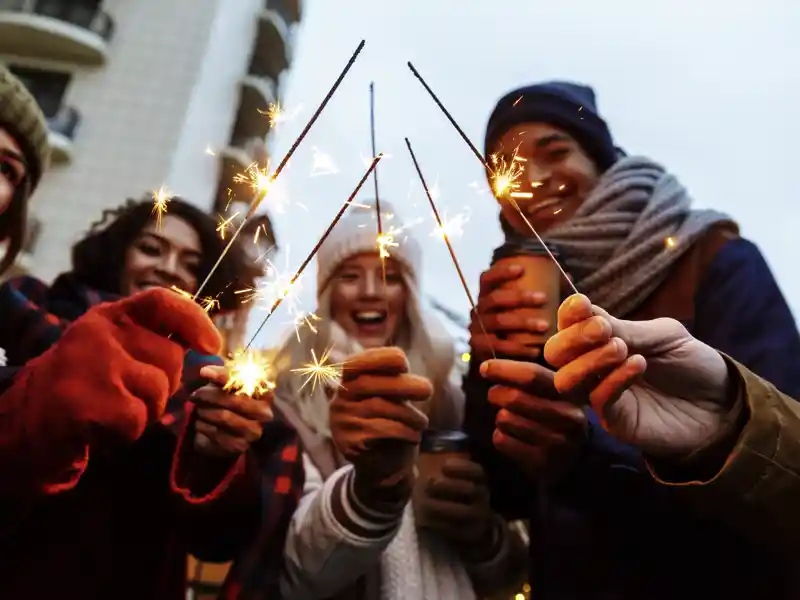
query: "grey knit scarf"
622, 241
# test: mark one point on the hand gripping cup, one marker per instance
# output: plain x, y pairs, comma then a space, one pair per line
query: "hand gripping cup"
540, 274
436, 447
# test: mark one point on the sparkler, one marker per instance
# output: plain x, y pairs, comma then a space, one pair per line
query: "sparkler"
317, 246
446, 240
249, 374
161, 198
320, 371
258, 197
374, 153
503, 178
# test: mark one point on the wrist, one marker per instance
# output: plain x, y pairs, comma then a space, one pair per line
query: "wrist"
387, 495
486, 546
706, 461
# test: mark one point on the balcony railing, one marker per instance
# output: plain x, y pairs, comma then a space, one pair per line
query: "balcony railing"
289, 10
73, 12
74, 31
65, 122
272, 52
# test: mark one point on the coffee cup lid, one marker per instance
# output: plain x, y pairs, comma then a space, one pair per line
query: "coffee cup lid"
525, 248
443, 440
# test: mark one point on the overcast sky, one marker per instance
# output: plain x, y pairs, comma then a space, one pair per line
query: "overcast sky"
709, 88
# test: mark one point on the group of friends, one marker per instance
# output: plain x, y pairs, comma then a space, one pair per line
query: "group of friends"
652, 444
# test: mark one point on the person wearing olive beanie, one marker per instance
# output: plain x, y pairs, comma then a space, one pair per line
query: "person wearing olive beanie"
24, 156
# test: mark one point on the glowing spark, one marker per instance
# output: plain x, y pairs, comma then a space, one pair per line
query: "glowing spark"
277, 285
367, 160
249, 374
257, 178
320, 371
258, 231
277, 115
323, 164
210, 151
506, 176
451, 228
309, 320
263, 185
223, 224
670, 242
386, 241
209, 303
465, 357
161, 198
183, 293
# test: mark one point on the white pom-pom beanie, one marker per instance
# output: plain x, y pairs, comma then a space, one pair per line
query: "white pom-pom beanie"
357, 232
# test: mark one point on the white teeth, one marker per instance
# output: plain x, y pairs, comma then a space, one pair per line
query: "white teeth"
369, 314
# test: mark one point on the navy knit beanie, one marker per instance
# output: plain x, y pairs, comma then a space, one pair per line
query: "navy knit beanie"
568, 106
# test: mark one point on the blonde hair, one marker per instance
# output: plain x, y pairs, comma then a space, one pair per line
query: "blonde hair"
427, 345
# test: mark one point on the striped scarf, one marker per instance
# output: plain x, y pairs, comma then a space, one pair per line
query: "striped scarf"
34, 318
632, 228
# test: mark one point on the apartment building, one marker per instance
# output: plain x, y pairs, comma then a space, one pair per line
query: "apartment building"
143, 94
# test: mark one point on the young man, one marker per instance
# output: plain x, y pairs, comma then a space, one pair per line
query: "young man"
627, 234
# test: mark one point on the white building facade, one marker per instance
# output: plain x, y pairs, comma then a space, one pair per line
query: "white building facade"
142, 94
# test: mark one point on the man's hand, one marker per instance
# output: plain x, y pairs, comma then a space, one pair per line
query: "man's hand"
456, 505
541, 431
227, 424
503, 311
374, 423
653, 384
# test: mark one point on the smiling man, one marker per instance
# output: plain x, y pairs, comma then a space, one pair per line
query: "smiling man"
628, 236
24, 154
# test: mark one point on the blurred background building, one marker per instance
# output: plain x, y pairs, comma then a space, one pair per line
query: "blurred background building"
143, 94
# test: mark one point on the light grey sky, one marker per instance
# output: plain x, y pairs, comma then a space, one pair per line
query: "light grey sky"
709, 88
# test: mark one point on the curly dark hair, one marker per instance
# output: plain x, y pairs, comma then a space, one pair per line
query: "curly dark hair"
98, 259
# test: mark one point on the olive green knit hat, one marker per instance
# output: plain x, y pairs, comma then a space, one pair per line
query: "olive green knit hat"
21, 115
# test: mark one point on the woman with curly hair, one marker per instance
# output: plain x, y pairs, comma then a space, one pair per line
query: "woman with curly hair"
120, 452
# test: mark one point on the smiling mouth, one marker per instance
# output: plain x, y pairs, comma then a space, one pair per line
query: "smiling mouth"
369, 318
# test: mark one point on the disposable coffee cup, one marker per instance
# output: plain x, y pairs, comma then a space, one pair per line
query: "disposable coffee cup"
540, 274
437, 446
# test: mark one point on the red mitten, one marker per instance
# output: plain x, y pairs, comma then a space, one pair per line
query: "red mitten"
109, 375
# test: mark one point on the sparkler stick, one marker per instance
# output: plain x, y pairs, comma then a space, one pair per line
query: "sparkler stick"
488, 167
317, 246
374, 153
382, 241
447, 240
261, 195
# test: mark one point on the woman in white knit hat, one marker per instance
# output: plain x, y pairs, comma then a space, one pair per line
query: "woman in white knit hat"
336, 546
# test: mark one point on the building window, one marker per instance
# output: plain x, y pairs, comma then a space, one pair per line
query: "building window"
77, 12
48, 87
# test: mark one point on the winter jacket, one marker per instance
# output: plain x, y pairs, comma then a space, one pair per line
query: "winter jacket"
608, 530
124, 530
338, 549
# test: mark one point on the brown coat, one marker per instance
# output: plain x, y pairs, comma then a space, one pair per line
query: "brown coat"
757, 490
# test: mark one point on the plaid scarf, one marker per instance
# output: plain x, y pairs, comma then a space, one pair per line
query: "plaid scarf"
34, 318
